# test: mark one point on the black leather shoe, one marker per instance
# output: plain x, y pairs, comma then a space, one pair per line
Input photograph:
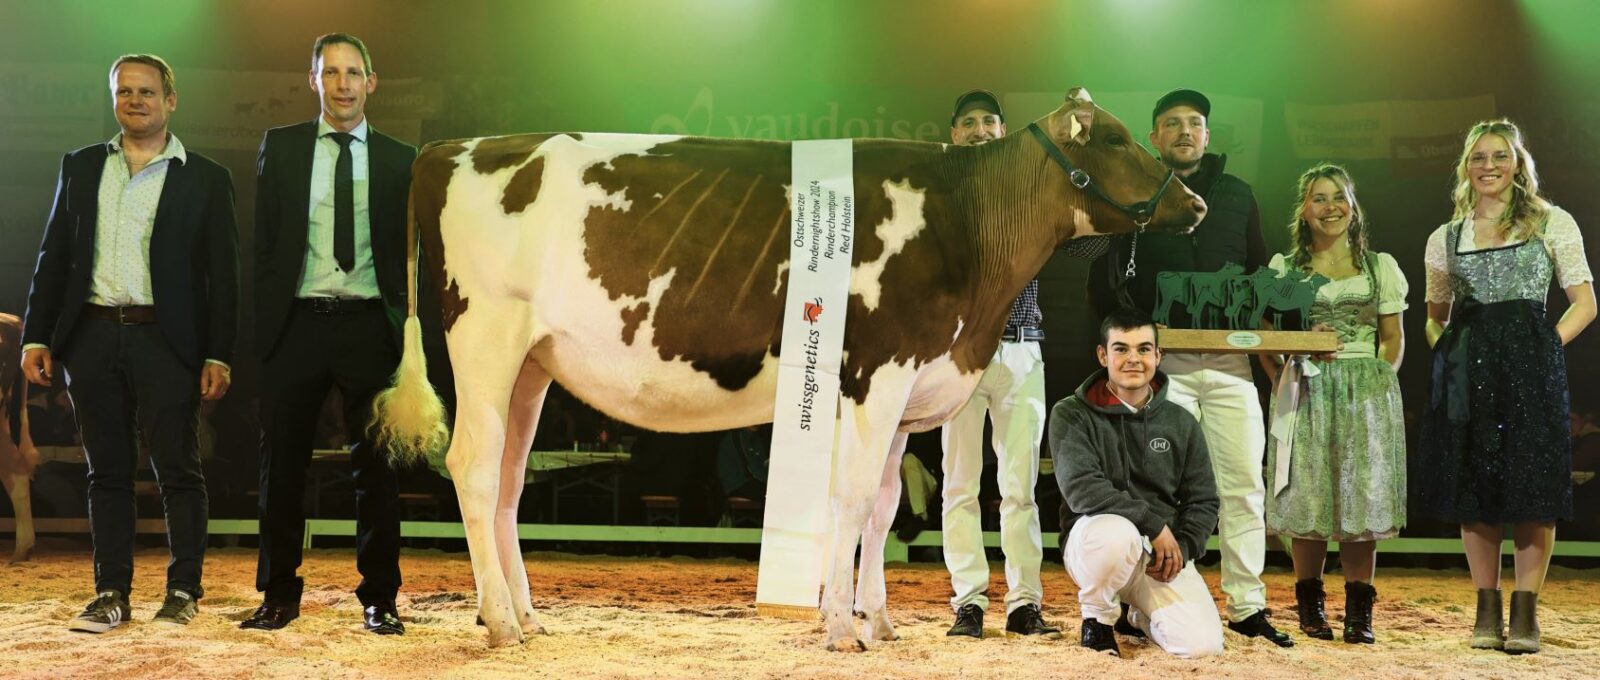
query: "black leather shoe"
1099, 637
1257, 626
969, 622
383, 620
271, 616
1126, 627
1028, 620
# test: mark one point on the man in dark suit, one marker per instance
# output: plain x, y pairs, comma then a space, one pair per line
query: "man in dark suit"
330, 299
136, 295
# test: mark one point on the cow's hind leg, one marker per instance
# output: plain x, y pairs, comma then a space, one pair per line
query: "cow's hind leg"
527, 401
871, 594
22, 506
486, 362
865, 433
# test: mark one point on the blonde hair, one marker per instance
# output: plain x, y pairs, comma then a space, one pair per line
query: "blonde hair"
1525, 213
1300, 231
169, 82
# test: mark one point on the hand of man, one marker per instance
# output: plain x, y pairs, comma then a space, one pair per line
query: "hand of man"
37, 366
1166, 558
214, 381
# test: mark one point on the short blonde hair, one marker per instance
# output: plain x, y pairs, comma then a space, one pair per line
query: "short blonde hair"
169, 84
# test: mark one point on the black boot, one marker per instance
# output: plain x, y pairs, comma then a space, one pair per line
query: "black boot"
1309, 598
1489, 632
1524, 637
1358, 598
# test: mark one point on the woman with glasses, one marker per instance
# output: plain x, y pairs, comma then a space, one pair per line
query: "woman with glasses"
1336, 465
1495, 442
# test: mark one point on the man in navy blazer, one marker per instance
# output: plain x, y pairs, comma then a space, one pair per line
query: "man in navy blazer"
330, 300
136, 295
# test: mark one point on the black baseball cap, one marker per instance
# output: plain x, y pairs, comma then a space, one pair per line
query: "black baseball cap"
1176, 97
974, 99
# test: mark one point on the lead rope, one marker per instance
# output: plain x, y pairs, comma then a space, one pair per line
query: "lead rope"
1132, 251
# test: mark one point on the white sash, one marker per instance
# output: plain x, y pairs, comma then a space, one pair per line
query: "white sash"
796, 527
1294, 381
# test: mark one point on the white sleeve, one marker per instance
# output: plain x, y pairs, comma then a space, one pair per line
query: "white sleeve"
1279, 263
1392, 286
1564, 242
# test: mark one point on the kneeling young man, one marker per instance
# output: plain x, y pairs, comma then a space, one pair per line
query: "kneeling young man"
1140, 499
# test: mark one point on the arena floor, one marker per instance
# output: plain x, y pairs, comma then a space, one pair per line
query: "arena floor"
686, 618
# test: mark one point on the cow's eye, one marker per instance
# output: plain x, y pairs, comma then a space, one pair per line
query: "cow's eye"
1116, 140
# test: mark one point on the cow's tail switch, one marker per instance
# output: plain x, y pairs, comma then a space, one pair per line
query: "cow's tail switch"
408, 418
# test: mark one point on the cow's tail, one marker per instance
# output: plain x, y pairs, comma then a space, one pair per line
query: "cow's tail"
408, 417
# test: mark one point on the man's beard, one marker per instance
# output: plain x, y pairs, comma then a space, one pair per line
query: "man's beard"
1183, 165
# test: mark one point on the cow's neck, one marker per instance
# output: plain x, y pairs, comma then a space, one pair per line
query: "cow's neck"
1016, 206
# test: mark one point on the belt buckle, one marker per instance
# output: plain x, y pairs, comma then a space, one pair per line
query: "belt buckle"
122, 316
326, 305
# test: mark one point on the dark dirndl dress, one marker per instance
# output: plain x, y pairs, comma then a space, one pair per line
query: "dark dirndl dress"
1496, 444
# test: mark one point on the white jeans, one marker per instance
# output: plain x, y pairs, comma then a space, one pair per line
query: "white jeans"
1012, 393
1106, 556
1218, 391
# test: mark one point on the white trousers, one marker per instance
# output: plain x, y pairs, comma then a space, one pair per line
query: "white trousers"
1106, 556
1012, 393
1218, 391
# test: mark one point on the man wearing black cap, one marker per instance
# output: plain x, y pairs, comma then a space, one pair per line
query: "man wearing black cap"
1217, 389
1012, 393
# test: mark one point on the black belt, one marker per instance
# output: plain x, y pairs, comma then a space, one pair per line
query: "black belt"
1023, 334
131, 315
333, 305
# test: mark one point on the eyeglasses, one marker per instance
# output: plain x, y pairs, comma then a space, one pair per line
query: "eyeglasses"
1497, 159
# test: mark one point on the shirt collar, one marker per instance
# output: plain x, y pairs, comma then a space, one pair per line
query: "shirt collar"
324, 129
173, 151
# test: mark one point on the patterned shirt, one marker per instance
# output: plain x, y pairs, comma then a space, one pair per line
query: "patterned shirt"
127, 216
1025, 309
321, 276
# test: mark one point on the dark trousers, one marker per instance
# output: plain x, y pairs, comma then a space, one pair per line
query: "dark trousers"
353, 351
124, 379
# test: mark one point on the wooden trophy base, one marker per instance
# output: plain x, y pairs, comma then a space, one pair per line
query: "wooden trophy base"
1186, 341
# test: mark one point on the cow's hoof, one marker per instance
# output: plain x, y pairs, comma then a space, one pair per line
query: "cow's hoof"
878, 626
532, 629
505, 639
22, 555
847, 645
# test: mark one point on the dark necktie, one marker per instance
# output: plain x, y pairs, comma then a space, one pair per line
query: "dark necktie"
344, 204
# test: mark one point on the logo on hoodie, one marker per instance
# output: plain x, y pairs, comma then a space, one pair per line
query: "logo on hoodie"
1160, 445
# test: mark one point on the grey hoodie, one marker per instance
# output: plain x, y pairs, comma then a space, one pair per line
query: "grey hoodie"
1151, 467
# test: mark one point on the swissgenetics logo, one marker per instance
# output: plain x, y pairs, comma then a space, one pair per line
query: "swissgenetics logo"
812, 311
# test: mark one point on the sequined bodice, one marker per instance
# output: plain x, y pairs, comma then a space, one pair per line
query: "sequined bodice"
1516, 272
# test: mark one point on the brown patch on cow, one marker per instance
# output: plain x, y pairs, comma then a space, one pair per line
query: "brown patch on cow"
498, 153
430, 186
523, 188
631, 318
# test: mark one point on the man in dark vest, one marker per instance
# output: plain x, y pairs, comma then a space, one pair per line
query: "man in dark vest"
1216, 388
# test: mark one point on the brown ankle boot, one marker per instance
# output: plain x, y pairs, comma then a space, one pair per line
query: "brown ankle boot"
1524, 637
1358, 599
1309, 597
1489, 631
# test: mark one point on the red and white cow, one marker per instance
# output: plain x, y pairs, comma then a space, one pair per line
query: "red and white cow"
647, 274
18, 459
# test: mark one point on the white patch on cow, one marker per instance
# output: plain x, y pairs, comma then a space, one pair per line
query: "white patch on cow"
904, 222
777, 283
1081, 224
656, 195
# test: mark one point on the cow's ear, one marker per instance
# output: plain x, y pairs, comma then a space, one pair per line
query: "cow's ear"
1073, 126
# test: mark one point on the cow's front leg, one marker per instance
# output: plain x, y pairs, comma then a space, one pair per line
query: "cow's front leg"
871, 594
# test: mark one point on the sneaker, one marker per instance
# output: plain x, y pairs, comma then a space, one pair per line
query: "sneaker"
969, 622
1099, 637
1028, 620
108, 610
177, 610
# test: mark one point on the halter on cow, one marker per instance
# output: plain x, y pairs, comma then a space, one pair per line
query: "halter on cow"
646, 274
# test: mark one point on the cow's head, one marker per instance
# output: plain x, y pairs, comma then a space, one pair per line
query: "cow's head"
1126, 188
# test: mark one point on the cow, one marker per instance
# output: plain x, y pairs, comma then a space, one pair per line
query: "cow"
647, 275
18, 458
